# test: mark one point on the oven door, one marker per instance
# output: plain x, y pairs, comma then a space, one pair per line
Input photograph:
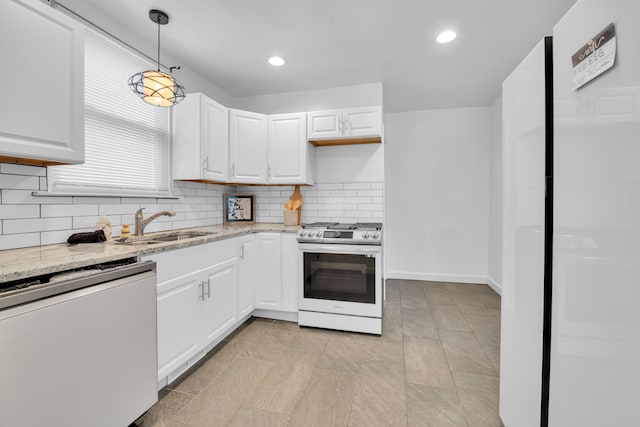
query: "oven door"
341, 279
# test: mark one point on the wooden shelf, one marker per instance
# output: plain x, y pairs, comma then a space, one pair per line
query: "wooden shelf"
346, 141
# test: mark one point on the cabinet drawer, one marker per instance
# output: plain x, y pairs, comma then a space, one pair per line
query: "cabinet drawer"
176, 263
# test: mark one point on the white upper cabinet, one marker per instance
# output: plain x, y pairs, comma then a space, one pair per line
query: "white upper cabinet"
362, 123
290, 155
42, 110
200, 139
248, 147
324, 124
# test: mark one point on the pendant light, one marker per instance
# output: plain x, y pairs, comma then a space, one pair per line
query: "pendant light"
154, 86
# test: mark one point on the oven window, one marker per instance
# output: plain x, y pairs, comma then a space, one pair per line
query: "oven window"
339, 277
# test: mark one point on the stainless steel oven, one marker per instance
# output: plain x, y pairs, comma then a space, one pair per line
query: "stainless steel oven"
341, 277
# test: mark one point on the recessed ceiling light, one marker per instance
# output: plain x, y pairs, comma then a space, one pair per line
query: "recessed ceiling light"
277, 61
446, 37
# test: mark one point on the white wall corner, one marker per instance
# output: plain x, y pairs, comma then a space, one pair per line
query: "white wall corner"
494, 285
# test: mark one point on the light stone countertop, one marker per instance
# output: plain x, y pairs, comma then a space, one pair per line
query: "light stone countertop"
22, 263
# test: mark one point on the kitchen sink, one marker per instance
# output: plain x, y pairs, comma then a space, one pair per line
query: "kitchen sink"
181, 236
171, 237
136, 242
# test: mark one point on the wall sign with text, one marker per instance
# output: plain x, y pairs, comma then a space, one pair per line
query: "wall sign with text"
595, 57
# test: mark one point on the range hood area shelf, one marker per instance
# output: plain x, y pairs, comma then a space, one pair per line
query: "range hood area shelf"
345, 141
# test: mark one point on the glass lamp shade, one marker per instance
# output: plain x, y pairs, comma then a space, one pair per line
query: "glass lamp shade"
157, 88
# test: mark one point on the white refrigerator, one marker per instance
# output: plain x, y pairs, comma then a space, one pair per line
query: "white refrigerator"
570, 350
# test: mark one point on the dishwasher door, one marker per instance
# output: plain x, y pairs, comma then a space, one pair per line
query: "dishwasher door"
83, 358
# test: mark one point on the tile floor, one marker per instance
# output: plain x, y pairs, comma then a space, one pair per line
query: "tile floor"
436, 364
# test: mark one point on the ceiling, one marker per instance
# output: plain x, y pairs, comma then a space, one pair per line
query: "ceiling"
332, 43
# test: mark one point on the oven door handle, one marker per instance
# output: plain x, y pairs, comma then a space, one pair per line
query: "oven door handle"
338, 249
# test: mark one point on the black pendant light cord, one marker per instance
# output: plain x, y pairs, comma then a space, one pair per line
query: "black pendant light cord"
158, 22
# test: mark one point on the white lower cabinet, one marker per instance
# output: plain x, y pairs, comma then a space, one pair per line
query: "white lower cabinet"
219, 290
197, 290
290, 269
206, 291
247, 274
177, 322
268, 263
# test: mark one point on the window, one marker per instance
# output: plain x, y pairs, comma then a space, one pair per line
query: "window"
126, 139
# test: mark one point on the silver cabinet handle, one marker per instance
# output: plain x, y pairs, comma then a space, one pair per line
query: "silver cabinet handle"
205, 163
208, 288
201, 285
233, 169
241, 251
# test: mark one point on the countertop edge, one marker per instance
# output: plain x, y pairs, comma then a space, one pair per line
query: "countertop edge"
22, 263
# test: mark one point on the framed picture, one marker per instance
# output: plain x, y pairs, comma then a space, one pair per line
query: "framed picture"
239, 208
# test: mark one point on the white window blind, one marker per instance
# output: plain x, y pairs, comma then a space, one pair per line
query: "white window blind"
126, 139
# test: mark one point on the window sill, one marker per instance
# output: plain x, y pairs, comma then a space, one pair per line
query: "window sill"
115, 196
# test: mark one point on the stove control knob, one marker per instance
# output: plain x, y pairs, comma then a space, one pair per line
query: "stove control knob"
375, 235
304, 233
365, 235
318, 233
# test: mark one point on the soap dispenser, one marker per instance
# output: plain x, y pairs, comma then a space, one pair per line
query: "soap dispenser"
104, 224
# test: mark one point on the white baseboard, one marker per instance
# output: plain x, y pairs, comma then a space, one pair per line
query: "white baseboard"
494, 285
287, 316
436, 277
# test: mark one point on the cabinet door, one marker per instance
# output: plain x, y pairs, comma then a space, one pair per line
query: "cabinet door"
218, 308
247, 274
42, 109
324, 124
290, 279
248, 147
177, 322
269, 280
200, 139
215, 140
288, 149
360, 122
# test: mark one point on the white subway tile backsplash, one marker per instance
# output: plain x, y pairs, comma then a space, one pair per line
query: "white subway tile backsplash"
19, 211
85, 221
185, 224
358, 186
52, 237
113, 209
13, 241
361, 200
27, 220
24, 197
330, 186
205, 222
371, 193
15, 226
20, 182
93, 200
323, 202
369, 207
47, 211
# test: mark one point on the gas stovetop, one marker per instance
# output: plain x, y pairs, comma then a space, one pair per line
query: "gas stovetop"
361, 233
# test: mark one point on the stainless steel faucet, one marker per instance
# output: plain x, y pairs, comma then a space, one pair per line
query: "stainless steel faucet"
142, 223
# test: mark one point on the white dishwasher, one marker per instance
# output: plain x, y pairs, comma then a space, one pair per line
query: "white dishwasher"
80, 351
